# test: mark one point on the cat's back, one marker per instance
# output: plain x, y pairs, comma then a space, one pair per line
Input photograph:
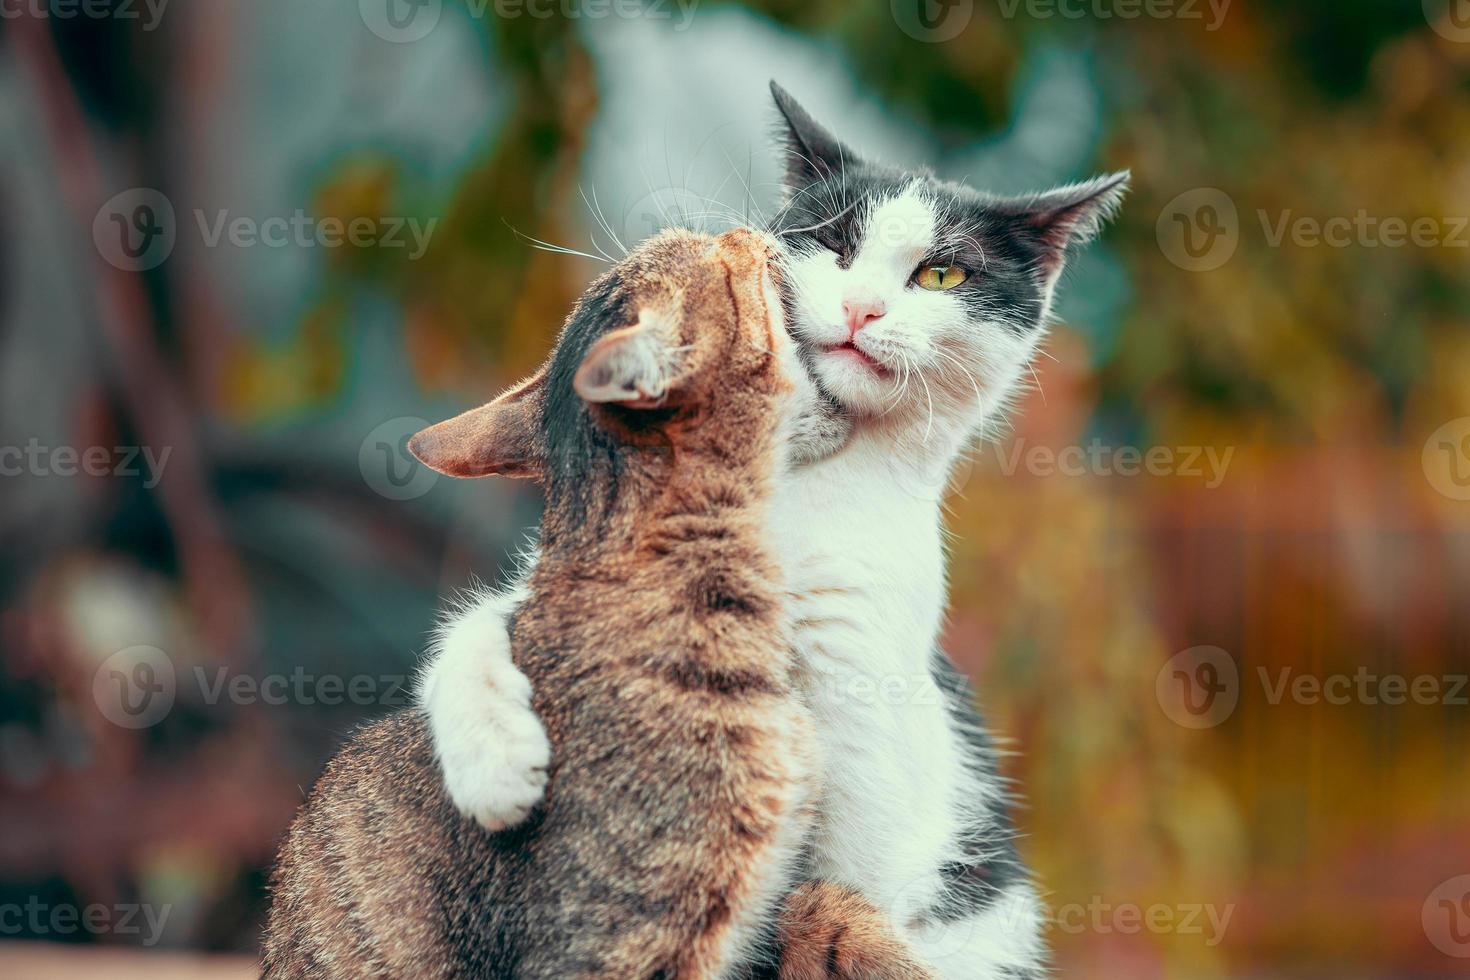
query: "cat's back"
379, 876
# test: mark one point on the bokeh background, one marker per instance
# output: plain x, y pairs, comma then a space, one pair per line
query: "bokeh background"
1243, 469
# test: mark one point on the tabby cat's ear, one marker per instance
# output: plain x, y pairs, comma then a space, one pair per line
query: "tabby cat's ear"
812, 153
497, 439
1069, 217
635, 366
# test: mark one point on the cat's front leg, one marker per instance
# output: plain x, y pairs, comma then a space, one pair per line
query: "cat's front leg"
491, 746
828, 932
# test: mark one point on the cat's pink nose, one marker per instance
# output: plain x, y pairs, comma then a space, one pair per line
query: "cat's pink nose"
860, 312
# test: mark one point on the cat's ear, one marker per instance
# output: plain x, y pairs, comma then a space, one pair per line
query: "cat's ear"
812, 153
634, 366
497, 439
1069, 217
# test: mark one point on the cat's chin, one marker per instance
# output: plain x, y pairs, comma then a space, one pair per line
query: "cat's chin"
857, 382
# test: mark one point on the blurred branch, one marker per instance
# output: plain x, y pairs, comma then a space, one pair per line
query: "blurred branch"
160, 413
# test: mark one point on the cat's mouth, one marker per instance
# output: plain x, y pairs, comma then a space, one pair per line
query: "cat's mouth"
852, 352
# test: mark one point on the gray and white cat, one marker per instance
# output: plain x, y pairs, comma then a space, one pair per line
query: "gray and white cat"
917, 305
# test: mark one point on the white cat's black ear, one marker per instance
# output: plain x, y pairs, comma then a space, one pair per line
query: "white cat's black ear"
812, 153
497, 439
634, 367
1071, 216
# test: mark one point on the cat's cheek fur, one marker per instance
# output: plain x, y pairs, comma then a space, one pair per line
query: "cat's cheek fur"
489, 742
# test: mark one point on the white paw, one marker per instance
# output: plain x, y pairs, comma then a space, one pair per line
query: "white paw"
495, 764
491, 746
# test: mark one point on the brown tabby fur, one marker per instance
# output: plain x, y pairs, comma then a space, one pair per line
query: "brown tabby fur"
827, 931
654, 636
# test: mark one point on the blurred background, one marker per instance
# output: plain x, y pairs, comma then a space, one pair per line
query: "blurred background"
1213, 584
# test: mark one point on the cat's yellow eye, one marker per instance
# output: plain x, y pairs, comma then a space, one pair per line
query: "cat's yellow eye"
941, 277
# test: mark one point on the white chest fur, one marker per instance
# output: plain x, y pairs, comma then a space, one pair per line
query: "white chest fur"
864, 556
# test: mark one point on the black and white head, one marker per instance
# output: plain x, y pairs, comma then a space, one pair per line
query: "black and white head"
914, 298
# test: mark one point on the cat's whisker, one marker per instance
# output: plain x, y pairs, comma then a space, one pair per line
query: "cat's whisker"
597, 219
906, 374
929, 397
1037, 379
749, 194
602, 219
960, 365
822, 224
539, 245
